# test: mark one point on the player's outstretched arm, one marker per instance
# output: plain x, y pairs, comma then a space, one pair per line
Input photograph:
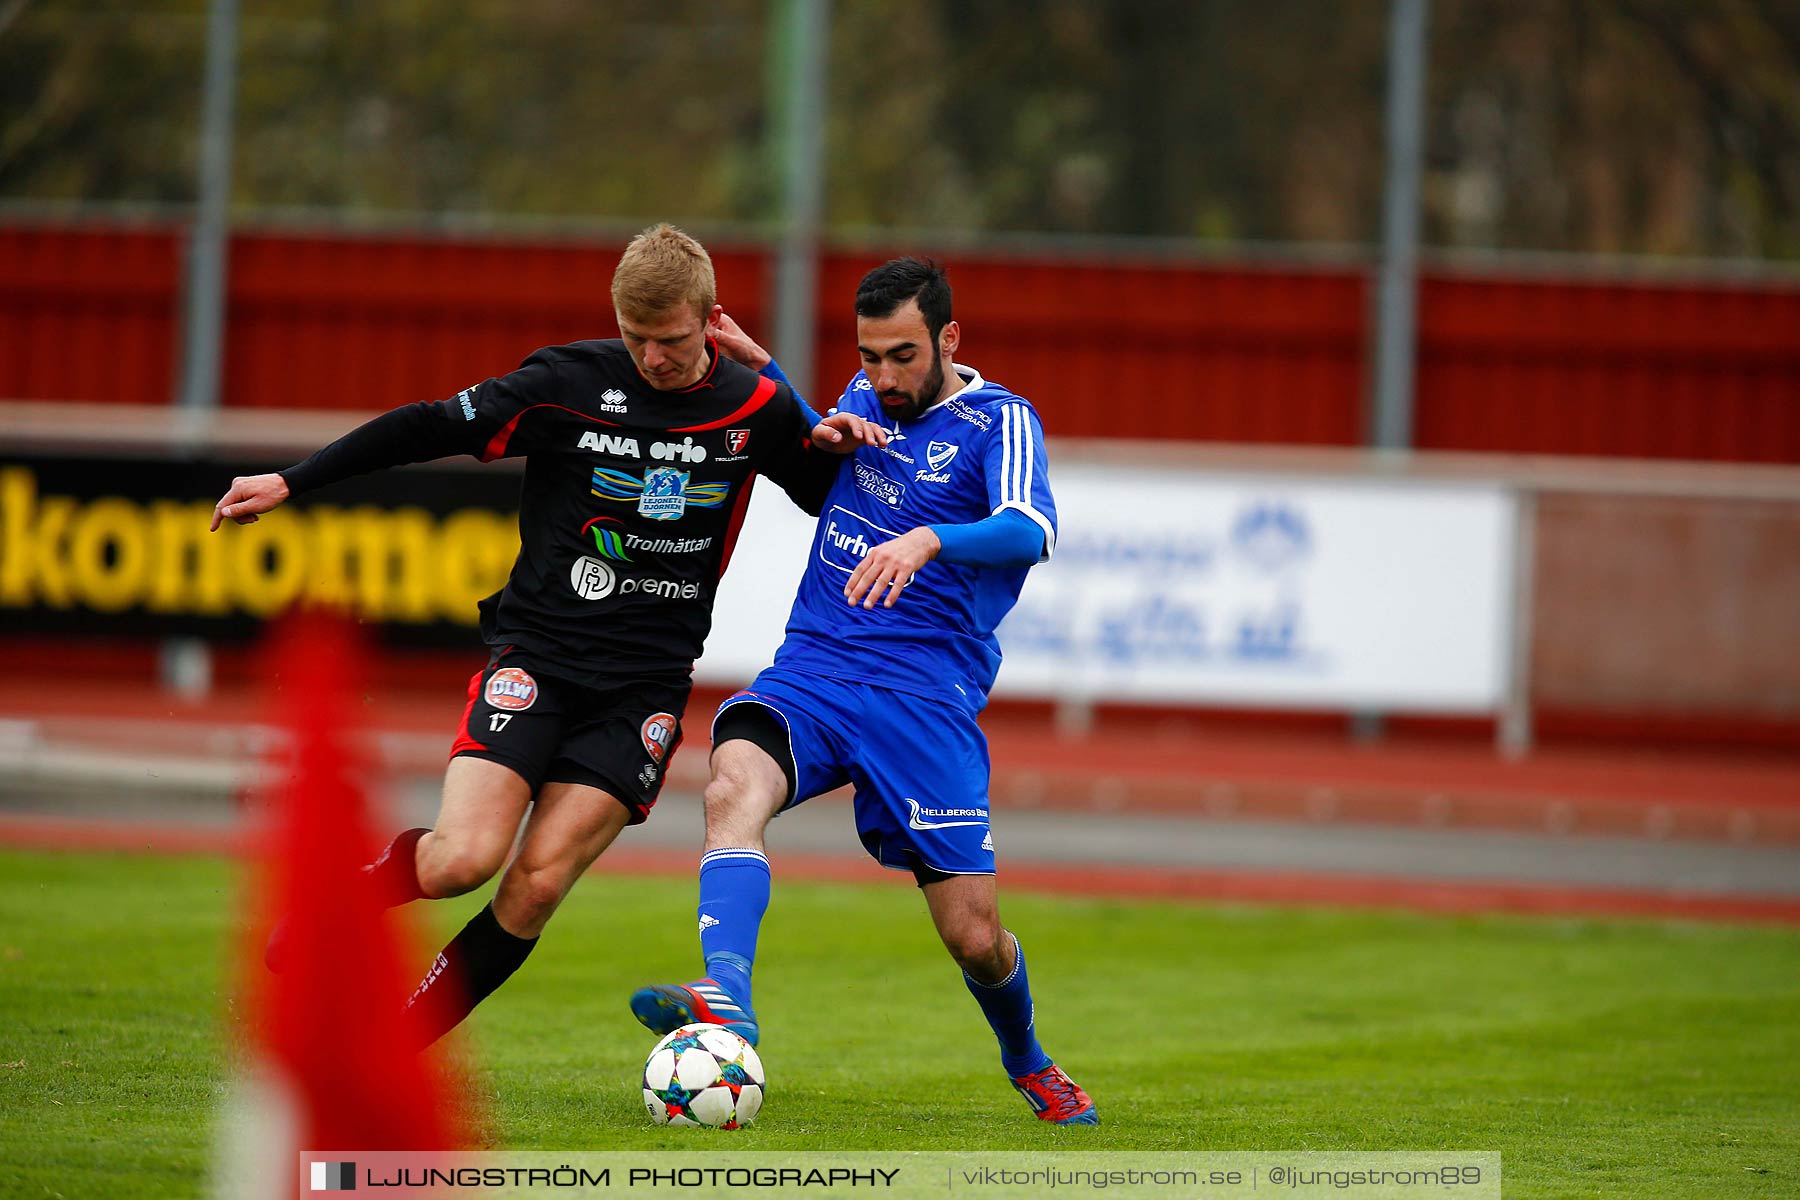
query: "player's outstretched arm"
464, 424
248, 496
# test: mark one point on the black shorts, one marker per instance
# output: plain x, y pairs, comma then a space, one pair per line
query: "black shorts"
619, 739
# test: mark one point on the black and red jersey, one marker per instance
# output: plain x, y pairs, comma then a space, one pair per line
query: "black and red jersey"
631, 498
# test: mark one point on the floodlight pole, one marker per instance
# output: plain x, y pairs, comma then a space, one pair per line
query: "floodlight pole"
186, 663
1390, 418
799, 35
203, 321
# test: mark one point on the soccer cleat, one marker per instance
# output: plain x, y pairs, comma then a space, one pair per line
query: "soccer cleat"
666, 1007
1055, 1097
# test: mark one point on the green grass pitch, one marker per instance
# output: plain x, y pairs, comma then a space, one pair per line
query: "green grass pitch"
1606, 1059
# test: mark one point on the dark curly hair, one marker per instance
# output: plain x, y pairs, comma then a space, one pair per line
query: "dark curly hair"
883, 290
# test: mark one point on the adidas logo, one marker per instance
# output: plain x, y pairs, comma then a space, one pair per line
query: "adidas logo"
707, 921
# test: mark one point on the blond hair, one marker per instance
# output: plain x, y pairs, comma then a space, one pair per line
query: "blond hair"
663, 268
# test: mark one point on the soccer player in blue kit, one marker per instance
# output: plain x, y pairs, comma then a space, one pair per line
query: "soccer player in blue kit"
922, 546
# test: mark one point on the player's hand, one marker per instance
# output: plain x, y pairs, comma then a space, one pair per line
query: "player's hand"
249, 495
842, 433
891, 566
734, 342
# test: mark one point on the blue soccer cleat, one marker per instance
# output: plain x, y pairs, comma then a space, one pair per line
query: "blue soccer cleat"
1056, 1098
666, 1007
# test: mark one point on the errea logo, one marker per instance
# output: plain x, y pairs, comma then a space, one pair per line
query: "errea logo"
612, 400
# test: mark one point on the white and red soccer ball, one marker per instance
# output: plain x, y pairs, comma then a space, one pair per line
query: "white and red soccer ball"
703, 1075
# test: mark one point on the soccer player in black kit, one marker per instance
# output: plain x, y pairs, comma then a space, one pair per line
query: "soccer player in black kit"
639, 457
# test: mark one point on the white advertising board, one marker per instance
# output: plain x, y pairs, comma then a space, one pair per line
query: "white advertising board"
1165, 586
758, 588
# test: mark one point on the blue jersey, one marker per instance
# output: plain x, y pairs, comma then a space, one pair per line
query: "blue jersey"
975, 454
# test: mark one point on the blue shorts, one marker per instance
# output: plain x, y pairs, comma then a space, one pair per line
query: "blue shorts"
920, 767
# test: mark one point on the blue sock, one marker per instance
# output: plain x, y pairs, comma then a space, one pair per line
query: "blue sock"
1007, 1007
734, 895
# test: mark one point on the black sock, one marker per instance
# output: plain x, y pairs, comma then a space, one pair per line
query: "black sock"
394, 875
393, 879
477, 960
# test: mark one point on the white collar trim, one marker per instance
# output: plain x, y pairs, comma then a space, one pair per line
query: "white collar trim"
974, 381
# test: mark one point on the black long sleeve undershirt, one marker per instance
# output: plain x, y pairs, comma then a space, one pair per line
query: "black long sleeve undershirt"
411, 433
431, 430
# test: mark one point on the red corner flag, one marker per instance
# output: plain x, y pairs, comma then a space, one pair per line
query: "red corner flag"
327, 1031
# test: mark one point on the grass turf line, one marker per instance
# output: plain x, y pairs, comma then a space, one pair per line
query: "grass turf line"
1602, 1058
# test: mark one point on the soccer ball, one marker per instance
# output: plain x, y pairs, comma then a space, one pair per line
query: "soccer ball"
703, 1075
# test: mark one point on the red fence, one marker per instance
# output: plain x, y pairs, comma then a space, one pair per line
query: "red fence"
1193, 351
1637, 370
88, 314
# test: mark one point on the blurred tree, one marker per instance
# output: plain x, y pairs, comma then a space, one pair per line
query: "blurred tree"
501, 107
1622, 126
1232, 119
1740, 69
99, 101
490, 106
1629, 126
